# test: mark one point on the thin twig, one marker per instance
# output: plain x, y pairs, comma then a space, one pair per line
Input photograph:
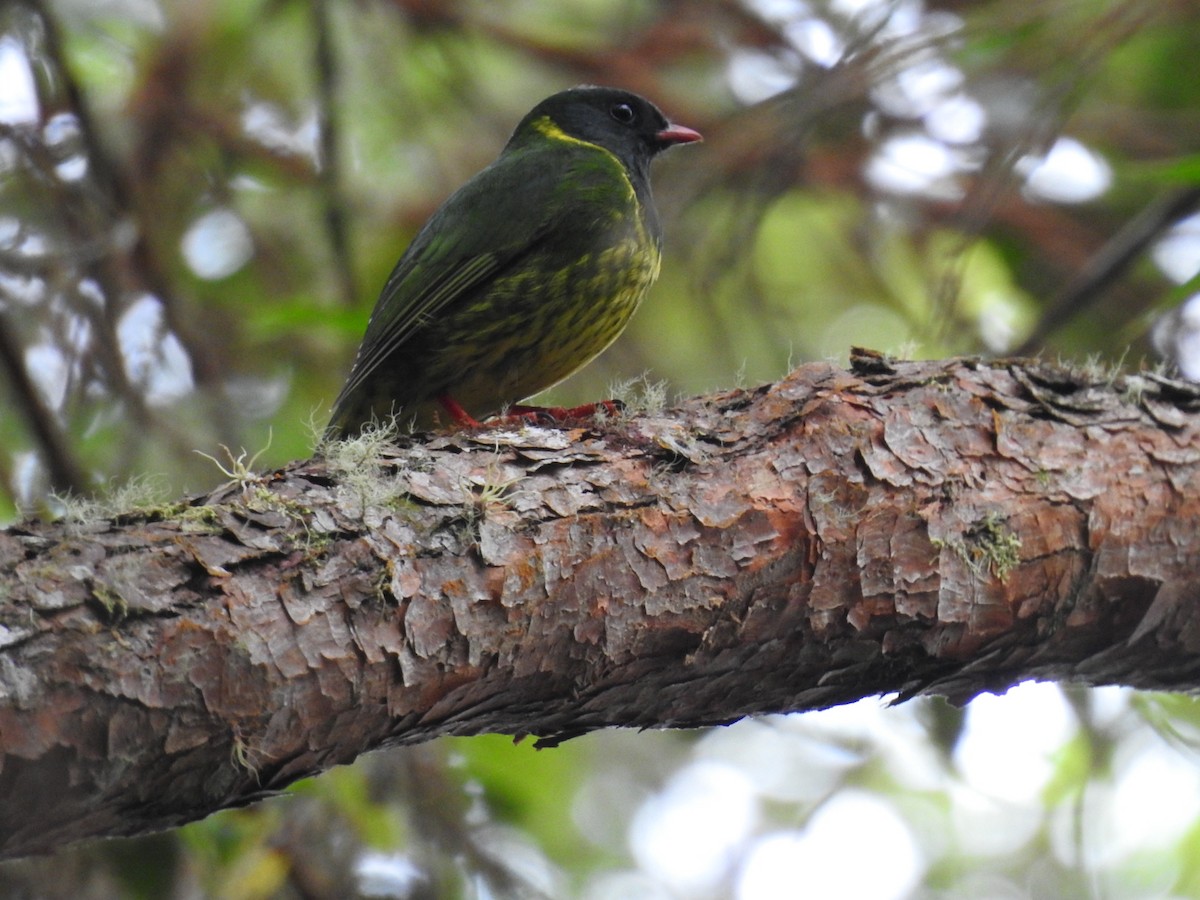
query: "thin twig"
66, 476
328, 155
1110, 262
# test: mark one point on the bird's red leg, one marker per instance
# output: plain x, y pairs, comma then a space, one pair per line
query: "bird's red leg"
457, 413
564, 413
611, 408
530, 414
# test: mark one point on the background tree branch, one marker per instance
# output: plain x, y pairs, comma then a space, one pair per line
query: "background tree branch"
947, 527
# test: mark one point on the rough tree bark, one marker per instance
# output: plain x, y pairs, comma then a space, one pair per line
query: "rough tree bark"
946, 527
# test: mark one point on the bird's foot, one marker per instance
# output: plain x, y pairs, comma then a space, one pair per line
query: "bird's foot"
532, 415
540, 414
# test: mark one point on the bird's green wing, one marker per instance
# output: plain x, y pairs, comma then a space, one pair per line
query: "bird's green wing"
489, 223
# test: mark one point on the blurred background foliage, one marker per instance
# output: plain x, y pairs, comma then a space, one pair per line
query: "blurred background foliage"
199, 201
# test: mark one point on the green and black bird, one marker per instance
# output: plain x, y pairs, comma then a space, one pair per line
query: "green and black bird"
524, 274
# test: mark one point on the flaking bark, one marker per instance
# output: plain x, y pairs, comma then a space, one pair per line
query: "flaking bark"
905, 528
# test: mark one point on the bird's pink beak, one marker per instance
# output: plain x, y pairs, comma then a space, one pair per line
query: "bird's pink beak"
678, 134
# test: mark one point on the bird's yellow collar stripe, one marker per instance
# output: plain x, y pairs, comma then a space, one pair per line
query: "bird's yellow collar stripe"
546, 126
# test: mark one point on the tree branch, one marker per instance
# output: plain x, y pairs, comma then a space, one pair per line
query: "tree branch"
903, 528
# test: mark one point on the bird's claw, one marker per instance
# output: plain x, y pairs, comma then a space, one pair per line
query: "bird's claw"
536, 415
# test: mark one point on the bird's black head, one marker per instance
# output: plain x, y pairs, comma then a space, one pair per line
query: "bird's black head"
629, 125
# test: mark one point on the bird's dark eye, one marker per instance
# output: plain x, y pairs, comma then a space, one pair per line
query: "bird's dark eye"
623, 113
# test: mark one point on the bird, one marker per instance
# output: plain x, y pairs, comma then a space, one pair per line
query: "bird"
525, 274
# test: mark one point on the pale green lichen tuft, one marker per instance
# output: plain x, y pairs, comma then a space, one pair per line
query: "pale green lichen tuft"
639, 395
358, 464
142, 495
240, 470
987, 546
